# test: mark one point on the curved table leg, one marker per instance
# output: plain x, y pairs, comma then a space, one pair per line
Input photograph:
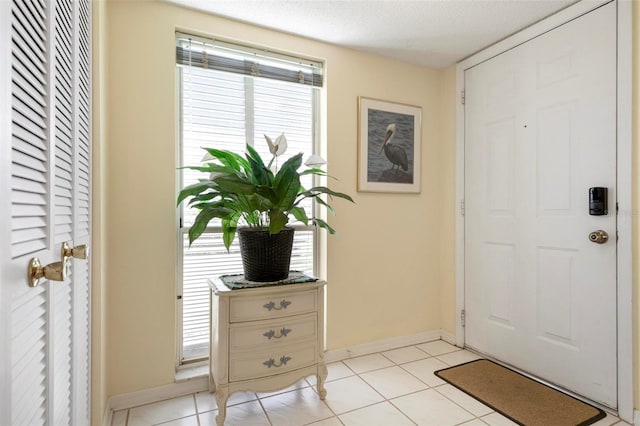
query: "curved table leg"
322, 377
212, 384
222, 394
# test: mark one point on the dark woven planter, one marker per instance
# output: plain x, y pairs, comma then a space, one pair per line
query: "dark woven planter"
265, 256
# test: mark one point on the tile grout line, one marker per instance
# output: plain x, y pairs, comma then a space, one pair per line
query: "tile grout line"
195, 403
264, 410
410, 393
385, 399
454, 402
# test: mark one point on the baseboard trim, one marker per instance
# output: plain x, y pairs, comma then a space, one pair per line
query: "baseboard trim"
336, 355
147, 396
636, 417
448, 337
201, 383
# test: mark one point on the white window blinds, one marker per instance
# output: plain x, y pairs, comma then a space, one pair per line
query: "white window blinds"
227, 108
230, 57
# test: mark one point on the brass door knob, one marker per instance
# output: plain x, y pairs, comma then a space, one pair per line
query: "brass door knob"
56, 271
77, 252
598, 237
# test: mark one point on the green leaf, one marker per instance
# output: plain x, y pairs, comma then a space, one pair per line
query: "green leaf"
287, 182
313, 171
207, 196
292, 163
287, 189
218, 204
300, 214
324, 203
253, 155
228, 158
233, 184
260, 175
268, 195
229, 228
277, 221
202, 221
322, 224
252, 218
194, 189
316, 190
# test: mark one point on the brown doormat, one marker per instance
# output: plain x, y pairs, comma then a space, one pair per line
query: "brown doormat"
517, 397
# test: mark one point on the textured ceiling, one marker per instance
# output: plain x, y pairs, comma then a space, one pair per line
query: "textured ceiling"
434, 33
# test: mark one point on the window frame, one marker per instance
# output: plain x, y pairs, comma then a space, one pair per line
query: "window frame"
181, 230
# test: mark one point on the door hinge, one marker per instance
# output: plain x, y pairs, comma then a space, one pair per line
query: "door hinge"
462, 207
462, 97
462, 317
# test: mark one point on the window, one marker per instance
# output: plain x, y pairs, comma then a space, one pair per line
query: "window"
230, 96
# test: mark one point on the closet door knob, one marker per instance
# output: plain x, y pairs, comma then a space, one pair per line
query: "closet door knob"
56, 271
77, 252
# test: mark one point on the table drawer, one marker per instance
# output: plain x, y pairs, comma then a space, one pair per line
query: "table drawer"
276, 305
273, 332
254, 364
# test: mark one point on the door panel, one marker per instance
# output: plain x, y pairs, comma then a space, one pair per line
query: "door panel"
81, 389
45, 174
63, 132
29, 309
539, 132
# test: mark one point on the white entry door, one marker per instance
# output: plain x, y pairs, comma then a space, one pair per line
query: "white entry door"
540, 130
45, 87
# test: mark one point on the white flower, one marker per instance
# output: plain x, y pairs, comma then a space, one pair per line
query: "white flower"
279, 146
206, 157
315, 161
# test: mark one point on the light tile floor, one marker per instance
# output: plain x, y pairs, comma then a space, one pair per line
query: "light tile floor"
392, 388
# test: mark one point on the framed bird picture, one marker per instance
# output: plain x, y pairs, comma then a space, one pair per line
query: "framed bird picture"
388, 146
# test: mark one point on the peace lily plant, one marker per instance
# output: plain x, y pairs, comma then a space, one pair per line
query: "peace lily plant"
245, 190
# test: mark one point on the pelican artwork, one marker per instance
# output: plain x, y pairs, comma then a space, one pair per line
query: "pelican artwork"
394, 153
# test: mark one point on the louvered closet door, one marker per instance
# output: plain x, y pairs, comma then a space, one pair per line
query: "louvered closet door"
45, 181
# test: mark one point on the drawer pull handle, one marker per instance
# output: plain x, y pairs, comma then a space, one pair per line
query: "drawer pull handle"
272, 305
272, 363
272, 334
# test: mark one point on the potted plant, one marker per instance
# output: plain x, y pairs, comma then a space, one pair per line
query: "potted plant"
246, 191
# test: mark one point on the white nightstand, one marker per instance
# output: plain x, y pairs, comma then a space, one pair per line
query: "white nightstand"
265, 338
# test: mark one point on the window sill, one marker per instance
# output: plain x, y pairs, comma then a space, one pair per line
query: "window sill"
192, 373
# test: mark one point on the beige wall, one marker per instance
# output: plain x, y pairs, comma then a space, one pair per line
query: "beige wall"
391, 268
636, 196
448, 204
383, 266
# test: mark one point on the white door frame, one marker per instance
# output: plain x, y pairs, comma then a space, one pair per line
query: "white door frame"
624, 179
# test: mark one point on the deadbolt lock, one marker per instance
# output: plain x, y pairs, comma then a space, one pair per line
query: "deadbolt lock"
598, 237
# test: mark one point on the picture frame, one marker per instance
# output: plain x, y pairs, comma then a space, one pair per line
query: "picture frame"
389, 146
